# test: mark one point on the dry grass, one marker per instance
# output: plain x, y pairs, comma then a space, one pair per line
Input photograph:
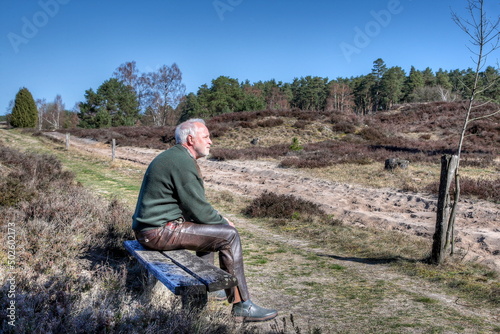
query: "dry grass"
71, 273
405, 252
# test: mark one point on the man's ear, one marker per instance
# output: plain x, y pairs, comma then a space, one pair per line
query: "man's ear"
189, 140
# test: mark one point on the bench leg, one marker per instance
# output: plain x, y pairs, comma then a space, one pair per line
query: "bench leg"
192, 301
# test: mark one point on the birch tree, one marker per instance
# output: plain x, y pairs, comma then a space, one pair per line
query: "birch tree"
158, 92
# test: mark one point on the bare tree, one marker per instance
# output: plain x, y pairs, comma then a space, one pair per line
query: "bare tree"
50, 115
340, 97
445, 94
277, 99
164, 93
41, 105
55, 113
128, 74
484, 37
158, 92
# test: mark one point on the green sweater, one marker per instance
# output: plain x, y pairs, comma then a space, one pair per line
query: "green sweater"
172, 188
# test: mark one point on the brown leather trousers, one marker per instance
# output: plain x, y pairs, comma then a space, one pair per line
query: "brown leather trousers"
204, 239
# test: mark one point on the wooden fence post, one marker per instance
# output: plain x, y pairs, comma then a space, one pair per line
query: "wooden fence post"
113, 148
440, 240
67, 141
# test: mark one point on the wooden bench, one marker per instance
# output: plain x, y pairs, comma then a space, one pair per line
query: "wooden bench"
183, 273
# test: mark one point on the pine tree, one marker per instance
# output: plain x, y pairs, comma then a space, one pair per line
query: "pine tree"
114, 104
24, 112
414, 80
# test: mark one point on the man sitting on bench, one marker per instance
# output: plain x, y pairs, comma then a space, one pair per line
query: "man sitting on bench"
173, 213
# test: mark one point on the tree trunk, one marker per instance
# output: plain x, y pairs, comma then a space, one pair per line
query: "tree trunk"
442, 235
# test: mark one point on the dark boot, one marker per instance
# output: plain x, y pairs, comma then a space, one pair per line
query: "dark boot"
248, 311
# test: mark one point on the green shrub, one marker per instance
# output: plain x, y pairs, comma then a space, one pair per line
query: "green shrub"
24, 113
295, 146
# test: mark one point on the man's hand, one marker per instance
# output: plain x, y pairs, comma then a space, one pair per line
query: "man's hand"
229, 222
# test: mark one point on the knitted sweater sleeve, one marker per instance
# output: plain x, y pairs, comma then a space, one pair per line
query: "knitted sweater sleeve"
190, 192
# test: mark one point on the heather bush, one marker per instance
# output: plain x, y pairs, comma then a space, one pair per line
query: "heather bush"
272, 205
219, 130
478, 188
29, 174
300, 124
372, 134
344, 127
242, 116
445, 119
247, 125
343, 117
305, 162
72, 274
327, 153
304, 115
256, 152
270, 122
223, 154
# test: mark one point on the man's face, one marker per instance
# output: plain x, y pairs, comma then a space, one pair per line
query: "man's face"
201, 141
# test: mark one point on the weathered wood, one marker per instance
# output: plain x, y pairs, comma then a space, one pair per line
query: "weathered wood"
113, 149
214, 278
442, 233
165, 270
67, 141
183, 273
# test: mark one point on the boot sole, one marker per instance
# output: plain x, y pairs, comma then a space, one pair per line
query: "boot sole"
250, 319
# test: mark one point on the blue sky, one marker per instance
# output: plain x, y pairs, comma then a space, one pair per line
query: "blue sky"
65, 47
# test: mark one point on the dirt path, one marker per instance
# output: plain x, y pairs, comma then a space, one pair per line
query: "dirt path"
477, 222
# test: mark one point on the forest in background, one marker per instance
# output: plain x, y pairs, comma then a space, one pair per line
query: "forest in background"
159, 98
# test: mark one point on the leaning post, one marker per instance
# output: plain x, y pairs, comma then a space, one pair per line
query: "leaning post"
441, 235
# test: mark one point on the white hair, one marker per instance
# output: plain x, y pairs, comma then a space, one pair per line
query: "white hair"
187, 128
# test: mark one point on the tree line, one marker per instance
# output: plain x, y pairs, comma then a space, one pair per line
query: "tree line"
376, 91
158, 98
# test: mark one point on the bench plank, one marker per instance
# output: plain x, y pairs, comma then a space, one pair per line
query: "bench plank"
165, 270
214, 278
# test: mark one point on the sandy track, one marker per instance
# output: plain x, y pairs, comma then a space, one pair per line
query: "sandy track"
477, 223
